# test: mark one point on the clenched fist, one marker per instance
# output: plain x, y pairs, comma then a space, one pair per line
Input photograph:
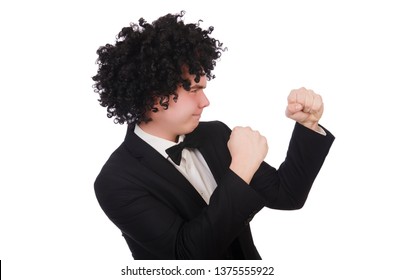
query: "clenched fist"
305, 107
248, 149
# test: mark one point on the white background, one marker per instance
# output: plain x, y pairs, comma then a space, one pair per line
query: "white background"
55, 137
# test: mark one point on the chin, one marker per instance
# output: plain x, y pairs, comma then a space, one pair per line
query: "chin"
190, 128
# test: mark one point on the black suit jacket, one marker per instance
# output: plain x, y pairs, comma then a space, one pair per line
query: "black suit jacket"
162, 216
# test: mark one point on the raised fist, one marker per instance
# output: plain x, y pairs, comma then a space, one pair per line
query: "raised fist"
305, 107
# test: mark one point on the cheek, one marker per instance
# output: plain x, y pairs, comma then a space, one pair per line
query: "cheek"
181, 115
184, 107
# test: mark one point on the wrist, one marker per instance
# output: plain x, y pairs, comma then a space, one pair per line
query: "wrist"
241, 170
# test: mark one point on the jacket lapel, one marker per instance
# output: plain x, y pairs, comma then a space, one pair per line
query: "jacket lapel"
155, 162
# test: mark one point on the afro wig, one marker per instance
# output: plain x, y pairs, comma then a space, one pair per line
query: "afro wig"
146, 64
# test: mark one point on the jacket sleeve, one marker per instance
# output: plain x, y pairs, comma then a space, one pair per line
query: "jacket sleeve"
287, 188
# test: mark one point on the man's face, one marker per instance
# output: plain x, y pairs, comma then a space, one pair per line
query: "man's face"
182, 116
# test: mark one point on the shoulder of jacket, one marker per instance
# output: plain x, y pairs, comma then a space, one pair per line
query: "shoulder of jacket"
213, 126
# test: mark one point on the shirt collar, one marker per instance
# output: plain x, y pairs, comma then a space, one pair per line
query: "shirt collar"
159, 144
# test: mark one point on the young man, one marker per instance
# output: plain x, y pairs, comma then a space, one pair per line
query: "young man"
178, 188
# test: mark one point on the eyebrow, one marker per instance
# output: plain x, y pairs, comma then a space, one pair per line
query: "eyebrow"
197, 86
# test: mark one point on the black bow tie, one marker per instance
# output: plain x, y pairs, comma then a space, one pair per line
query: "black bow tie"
175, 151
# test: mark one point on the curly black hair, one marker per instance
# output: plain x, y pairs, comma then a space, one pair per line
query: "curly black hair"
146, 64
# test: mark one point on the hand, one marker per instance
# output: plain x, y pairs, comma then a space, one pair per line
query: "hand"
305, 107
248, 149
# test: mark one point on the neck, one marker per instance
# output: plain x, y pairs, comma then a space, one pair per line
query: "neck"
158, 131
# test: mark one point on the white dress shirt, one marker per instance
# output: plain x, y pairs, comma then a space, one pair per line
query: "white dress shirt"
192, 166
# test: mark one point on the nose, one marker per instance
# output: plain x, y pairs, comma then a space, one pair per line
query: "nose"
203, 100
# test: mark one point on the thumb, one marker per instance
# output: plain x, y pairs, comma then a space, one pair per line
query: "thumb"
293, 108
